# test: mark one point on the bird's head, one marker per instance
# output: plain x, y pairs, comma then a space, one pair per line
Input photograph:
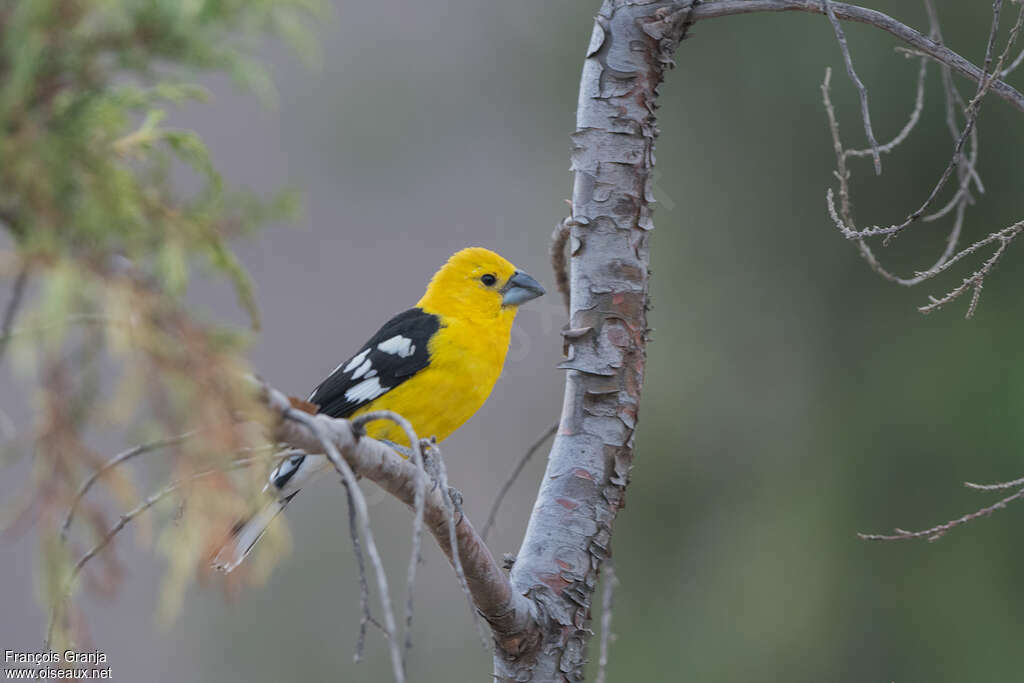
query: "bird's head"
477, 283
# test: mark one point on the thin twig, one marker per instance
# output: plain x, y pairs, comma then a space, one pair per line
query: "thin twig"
847, 225
496, 505
863, 15
999, 485
975, 281
953, 99
966, 167
908, 127
419, 506
366, 617
607, 605
122, 522
973, 109
13, 304
342, 467
559, 261
452, 508
938, 531
862, 92
1013, 67
111, 464
843, 219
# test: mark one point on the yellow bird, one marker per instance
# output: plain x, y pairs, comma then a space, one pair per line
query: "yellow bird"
434, 364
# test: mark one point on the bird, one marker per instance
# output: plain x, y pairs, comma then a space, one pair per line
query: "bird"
434, 364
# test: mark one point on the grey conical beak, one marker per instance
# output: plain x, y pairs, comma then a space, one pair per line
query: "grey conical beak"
520, 288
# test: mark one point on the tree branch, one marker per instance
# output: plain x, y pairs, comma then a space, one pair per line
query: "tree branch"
569, 531
418, 502
111, 464
938, 531
964, 164
880, 20
908, 127
511, 616
325, 443
862, 92
122, 522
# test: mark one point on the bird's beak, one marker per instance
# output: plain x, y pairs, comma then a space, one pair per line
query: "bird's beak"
520, 288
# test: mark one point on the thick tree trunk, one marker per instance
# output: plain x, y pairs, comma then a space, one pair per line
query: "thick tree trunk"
588, 469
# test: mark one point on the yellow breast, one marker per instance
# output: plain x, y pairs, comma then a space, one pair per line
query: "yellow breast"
466, 359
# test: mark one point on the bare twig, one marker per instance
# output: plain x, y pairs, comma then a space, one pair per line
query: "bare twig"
845, 12
953, 99
862, 92
940, 530
966, 167
456, 559
998, 486
359, 423
559, 262
973, 109
122, 522
1013, 66
847, 225
492, 515
142, 449
843, 218
366, 617
13, 304
607, 606
976, 280
997, 8
908, 127
363, 515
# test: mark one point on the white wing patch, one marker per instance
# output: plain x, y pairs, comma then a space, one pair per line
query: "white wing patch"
397, 346
361, 370
367, 390
356, 361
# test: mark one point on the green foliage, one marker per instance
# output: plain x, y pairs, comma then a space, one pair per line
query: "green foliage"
110, 210
85, 157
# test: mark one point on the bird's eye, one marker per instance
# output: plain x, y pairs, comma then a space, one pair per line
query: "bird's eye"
488, 280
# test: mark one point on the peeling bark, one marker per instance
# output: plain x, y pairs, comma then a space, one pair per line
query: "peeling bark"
583, 489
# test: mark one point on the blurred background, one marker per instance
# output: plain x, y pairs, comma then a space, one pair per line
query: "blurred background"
793, 397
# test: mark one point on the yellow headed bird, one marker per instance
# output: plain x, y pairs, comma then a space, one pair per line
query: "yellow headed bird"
434, 364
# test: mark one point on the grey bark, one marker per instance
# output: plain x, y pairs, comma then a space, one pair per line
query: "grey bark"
569, 532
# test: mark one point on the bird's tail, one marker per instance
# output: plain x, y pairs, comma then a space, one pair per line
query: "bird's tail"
246, 534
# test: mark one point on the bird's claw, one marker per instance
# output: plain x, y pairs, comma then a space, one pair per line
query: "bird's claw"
431, 465
455, 496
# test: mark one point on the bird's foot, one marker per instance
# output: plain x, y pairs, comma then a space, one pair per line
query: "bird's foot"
431, 461
455, 496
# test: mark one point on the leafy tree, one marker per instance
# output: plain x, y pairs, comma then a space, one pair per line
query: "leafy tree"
110, 213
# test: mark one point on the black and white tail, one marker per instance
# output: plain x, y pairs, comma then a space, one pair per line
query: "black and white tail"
285, 482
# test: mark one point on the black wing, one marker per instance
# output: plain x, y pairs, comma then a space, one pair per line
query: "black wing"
393, 355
